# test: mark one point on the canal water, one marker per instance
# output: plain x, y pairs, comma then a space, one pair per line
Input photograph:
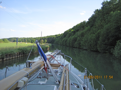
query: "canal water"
104, 67
11, 66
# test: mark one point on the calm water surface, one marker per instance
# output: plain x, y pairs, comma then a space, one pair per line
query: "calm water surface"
104, 65
14, 65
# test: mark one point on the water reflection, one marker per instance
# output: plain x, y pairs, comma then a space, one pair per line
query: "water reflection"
104, 65
11, 66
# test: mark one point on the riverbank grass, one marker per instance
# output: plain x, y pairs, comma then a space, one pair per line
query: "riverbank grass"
13, 44
10, 49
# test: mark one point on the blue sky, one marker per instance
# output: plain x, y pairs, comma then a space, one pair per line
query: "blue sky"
27, 18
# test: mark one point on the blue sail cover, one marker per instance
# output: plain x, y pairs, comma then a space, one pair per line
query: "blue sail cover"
41, 51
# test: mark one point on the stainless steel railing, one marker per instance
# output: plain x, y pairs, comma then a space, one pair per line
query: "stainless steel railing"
85, 83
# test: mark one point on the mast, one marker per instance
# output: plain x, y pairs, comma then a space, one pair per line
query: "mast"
41, 34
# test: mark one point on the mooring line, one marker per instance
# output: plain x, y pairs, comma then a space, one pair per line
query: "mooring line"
30, 52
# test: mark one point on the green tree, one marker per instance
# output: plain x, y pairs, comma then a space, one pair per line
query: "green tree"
42, 41
32, 40
117, 49
45, 40
5, 40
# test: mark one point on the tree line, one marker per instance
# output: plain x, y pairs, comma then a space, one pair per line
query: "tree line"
102, 31
46, 39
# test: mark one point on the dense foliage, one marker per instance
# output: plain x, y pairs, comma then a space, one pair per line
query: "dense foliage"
100, 33
4, 41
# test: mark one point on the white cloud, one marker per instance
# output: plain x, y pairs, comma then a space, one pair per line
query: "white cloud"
30, 10
22, 25
13, 10
34, 24
12, 30
82, 13
21, 31
50, 29
24, 10
2, 7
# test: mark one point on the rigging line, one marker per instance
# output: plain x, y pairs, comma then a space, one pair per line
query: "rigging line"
58, 62
30, 52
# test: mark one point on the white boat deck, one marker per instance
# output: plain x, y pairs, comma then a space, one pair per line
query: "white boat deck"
44, 83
